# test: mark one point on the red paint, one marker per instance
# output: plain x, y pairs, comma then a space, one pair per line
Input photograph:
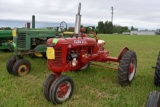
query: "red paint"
62, 90
131, 68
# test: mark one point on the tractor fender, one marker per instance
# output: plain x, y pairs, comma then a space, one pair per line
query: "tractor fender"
122, 52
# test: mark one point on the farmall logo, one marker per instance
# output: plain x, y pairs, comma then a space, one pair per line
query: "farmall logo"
79, 41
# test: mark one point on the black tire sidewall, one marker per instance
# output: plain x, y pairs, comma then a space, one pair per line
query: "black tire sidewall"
55, 86
157, 72
47, 84
21, 62
153, 99
123, 74
10, 63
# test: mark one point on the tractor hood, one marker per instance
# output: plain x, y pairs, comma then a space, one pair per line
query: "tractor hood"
72, 42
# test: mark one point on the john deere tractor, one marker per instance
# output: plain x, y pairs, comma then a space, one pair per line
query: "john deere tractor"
31, 41
6, 40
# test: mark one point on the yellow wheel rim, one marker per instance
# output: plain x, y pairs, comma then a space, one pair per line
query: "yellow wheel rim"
23, 70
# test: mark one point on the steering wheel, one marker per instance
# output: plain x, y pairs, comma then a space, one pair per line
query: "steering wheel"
63, 26
93, 35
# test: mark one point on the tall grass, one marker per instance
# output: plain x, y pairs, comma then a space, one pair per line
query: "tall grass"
94, 87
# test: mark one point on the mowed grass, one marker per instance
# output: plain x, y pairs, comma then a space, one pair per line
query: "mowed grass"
94, 87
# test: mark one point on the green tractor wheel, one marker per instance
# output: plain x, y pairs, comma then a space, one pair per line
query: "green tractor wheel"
21, 67
11, 63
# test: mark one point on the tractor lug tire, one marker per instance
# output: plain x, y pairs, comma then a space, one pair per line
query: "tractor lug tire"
127, 68
157, 72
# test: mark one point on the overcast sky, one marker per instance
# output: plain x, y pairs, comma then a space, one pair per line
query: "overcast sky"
142, 14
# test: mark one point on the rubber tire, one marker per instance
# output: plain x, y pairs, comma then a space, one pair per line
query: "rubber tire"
47, 84
54, 88
86, 66
157, 72
10, 63
153, 99
123, 68
18, 64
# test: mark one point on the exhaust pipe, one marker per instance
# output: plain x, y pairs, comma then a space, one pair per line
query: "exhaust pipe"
78, 21
33, 21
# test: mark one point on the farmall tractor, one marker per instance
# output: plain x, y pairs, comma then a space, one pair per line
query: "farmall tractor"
77, 53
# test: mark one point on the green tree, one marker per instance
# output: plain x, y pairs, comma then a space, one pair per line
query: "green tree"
110, 28
106, 27
100, 28
132, 28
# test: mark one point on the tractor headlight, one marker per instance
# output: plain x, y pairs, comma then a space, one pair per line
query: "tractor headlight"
74, 62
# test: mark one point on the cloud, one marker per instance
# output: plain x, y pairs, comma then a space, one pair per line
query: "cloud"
140, 14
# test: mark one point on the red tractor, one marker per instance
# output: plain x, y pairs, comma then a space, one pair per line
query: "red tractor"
77, 53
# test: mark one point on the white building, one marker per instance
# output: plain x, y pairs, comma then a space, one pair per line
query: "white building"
143, 32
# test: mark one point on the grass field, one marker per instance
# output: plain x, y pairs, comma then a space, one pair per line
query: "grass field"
95, 87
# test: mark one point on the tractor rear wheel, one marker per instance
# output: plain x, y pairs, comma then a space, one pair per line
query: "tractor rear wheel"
61, 89
127, 67
21, 67
157, 72
47, 84
153, 99
10, 63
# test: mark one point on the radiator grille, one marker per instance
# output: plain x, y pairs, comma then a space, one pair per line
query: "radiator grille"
58, 57
21, 40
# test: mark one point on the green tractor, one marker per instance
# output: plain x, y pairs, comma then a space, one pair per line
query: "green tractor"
31, 41
28, 41
6, 40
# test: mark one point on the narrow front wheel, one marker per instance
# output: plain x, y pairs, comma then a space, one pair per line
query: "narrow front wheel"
21, 67
47, 84
61, 89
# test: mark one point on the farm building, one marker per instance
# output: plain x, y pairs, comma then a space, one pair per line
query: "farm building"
143, 32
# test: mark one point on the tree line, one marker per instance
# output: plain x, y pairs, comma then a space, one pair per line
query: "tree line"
108, 28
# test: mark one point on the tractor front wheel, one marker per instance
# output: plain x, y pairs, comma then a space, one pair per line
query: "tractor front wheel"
157, 72
61, 89
127, 67
47, 84
21, 67
153, 99
11, 62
